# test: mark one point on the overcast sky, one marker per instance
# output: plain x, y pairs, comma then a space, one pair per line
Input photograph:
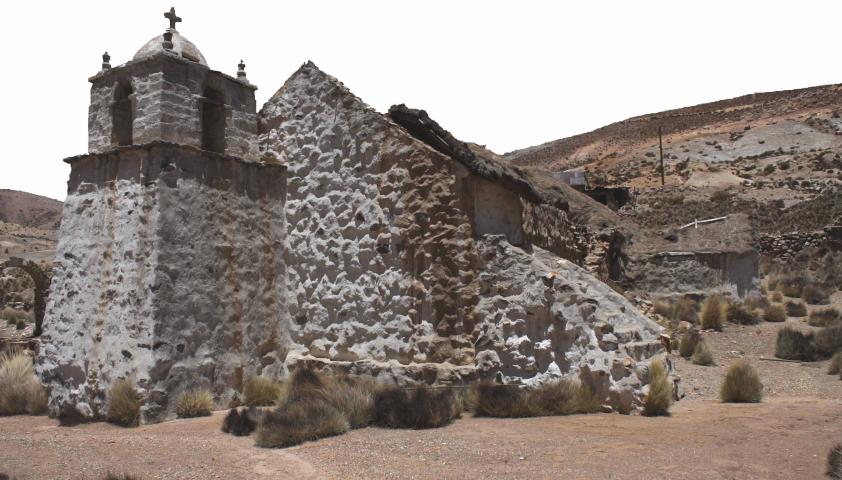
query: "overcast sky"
505, 74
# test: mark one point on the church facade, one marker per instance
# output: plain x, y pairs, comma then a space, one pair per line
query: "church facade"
204, 242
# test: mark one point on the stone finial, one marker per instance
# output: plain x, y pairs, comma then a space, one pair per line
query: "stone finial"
172, 17
168, 40
106, 61
241, 70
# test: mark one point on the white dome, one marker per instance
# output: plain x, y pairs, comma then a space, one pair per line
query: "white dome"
181, 46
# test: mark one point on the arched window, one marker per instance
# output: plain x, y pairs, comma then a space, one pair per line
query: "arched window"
121, 115
213, 121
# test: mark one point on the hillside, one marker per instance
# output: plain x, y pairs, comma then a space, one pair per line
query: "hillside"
28, 225
767, 150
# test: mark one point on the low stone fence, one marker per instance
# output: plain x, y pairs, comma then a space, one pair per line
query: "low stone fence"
786, 245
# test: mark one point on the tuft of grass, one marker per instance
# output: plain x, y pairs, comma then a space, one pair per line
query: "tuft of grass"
123, 404
796, 309
421, 407
742, 384
296, 422
353, 397
685, 310
777, 297
261, 392
114, 476
793, 285
20, 390
774, 313
742, 314
828, 341
659, 399
194, 403
834, 462
815, 295
793, 344
702, 355
835, 365
13, 315
240, 422
505, 401
563, 397
713, 312
824, 317
687, 344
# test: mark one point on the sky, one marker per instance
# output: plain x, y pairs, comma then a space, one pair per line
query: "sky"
504, 74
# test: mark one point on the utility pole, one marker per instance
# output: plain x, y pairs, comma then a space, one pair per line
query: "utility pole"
661, 147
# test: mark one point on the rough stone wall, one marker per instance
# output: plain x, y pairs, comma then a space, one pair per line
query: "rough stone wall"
786, 245
380, 249
541, 317
734, 273
550, 228
168, 271
99, 118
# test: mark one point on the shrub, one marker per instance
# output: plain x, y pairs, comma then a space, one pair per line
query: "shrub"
713, 312
293, 423
742, 384
774, 313
493, 400
194, 403
563, 397
794, 344
742, 314
824, 317
796, 309
240, 422
702, 354
815, 295
835, 365
687, 344
828, 341
421, 407
123, 404
20, 390
260, 391
777, 297
659, 399
834, 462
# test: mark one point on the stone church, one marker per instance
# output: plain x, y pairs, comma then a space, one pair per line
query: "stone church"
204, 242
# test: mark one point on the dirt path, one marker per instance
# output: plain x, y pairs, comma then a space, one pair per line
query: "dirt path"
782, 438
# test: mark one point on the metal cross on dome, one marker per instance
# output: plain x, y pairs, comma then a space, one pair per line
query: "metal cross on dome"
172, 17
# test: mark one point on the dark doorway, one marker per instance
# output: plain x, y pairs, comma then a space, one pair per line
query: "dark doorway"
121, 115
213, 121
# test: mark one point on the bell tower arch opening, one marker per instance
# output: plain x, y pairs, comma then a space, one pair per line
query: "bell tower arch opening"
213, 120
122, 115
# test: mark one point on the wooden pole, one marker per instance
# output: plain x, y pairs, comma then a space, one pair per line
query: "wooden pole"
661, 148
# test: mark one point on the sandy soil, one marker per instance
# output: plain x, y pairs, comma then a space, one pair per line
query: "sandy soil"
782, 438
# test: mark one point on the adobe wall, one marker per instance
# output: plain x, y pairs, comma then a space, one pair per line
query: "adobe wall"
168, 271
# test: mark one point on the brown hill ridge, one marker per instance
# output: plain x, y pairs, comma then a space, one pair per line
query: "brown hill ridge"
29, 210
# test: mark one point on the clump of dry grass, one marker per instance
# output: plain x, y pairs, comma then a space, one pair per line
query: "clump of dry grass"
824, 317
742, 314
566, 396
123, 404
742, 384
353, 397
194, 403
240, 422
261, 392
793, 285
815, 295
20, 390
796, 309
420, 407
834, 462
681, 310
659, 398
828, 341
713, 312
793, 344
702, 355
296, 422
835, 365
774, 313
114, 476
688, 342
13, 315
777, 297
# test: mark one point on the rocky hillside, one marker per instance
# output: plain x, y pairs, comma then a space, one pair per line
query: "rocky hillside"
28, 225
758, 154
